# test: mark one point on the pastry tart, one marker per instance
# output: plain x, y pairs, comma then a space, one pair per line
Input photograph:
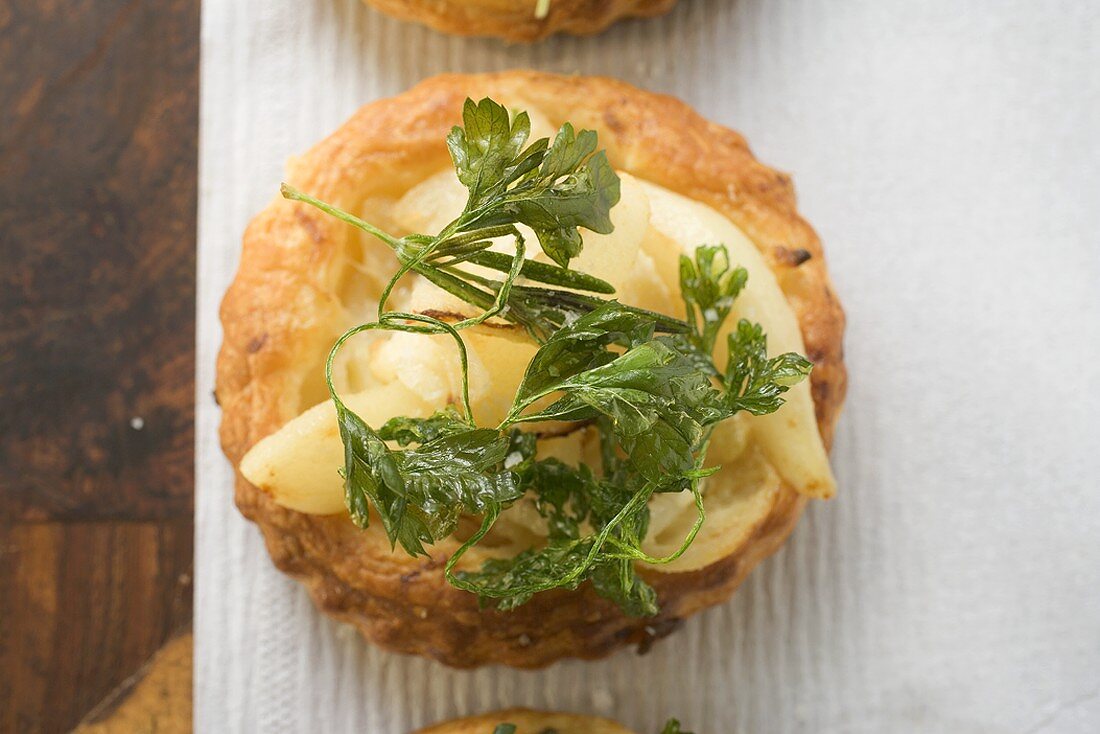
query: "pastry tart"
527, 721
520, 20
305, 277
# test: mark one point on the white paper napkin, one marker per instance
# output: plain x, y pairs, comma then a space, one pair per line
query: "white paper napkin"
947, 154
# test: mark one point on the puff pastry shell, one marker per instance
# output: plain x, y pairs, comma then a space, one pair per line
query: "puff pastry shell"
283, 311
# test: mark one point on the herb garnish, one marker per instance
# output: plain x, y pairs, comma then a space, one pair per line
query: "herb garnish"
672, 726
647, 382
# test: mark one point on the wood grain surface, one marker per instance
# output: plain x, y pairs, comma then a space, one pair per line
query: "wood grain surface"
97, 229
157, 698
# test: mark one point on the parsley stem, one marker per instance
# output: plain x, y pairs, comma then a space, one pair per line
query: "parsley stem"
636, 553
289, 192
393, 321
485, 233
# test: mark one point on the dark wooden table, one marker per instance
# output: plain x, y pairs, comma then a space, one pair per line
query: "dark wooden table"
98, 130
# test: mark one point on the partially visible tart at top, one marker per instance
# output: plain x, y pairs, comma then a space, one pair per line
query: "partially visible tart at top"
520, 20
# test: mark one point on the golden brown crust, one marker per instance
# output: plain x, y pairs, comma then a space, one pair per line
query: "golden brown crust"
516, 20
528, 722
282, 308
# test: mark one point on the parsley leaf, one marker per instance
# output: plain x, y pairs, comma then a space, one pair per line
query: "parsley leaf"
618, 580
576, 187
420, 493
486, 149
756, 383
421, 430
570, 498
542, 273
542, 311
709, 286
657, 403
561, 496
373, 477
551, 188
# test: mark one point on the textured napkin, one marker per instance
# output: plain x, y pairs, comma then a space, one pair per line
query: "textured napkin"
946, 152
